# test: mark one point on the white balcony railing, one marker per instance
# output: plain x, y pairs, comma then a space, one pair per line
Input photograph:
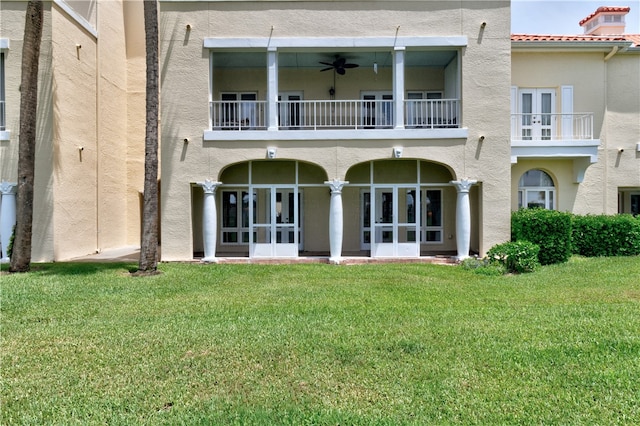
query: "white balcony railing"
432, 113
349, 114
549, 127
238, 115
334, 114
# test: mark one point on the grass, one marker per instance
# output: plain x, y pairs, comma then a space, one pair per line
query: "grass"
318, 344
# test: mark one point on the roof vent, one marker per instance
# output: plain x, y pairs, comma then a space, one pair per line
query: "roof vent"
606, 20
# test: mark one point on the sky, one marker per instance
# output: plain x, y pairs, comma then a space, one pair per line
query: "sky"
563, 16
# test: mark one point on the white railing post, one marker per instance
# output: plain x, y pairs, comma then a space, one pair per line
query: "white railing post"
272, 89
398, 87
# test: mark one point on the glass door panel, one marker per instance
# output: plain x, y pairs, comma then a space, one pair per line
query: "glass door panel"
275, 224
537, 110
395, 226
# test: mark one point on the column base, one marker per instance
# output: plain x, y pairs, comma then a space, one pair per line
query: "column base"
210, 259
335, 260
5, 260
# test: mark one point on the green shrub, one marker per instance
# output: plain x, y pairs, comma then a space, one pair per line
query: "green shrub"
606, 235
483, 266
549, 229
518, 256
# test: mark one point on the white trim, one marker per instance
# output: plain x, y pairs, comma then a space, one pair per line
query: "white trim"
76, 17
4, 44
332, 42
5, 135
368, 134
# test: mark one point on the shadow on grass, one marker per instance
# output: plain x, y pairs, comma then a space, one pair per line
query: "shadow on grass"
82, 268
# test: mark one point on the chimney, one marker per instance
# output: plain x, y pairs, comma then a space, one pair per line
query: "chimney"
606, 20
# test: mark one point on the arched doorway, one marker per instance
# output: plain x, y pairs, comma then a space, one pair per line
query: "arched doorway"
406, 208
269, 208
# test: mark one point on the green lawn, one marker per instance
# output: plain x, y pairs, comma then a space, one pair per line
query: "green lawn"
384, 344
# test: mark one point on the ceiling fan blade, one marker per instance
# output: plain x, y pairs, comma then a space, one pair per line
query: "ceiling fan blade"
350, 66
327, 63
340, 71
326, 69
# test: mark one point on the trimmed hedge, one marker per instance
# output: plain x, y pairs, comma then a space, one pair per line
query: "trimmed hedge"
606, 235
551, 230
517, 257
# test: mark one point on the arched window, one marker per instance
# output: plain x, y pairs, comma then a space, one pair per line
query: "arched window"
536, 189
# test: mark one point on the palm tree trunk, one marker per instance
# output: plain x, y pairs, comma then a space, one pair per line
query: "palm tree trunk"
21, 252
149, 238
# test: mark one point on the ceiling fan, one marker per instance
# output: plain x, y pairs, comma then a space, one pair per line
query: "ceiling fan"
339, 65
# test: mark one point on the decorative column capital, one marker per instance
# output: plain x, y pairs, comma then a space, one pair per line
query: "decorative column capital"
209, 186
6, 187
336, 185
463, 185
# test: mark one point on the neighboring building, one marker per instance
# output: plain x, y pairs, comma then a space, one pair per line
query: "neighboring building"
90, 135
575, 142
321, 128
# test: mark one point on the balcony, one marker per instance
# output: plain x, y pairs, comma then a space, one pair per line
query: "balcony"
552, 127
335, 88
555, 136
319, 115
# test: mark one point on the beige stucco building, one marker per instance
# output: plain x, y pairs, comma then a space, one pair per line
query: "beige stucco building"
320, 128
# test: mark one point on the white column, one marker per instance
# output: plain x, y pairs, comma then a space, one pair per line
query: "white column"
209, 220
7, 217
272, 89
463, 217
336, 219
398, 87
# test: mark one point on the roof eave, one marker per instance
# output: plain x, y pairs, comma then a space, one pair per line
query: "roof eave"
579, 45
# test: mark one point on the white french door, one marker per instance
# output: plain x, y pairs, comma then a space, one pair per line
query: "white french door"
393, 214
290, 110
537, 119
275, 230
377, 109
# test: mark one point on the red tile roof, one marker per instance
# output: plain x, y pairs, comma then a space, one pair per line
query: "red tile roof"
633, 38
551, 37
624, 9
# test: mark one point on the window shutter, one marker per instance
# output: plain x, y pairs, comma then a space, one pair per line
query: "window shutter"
567, 112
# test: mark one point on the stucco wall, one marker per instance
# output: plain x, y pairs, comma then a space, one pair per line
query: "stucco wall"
75, 162
622, 127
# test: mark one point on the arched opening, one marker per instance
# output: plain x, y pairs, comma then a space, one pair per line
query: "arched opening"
536, 190
399, 208
267, 208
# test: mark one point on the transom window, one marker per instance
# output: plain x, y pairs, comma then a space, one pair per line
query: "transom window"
536, 190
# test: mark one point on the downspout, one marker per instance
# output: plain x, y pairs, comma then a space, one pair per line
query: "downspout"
98, 156
605, 191
610, 54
